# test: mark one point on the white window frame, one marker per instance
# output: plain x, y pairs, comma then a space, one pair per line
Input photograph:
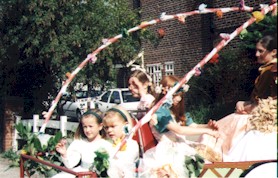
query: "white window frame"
155, 71
169, 68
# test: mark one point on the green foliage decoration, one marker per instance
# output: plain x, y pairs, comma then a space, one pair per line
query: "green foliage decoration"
194, 165
33, 147
101, 163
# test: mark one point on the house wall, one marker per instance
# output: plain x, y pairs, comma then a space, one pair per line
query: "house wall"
11, 106
186, 44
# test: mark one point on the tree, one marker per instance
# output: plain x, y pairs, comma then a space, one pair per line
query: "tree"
42, 40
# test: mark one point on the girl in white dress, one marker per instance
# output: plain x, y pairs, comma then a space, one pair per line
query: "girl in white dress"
87, 140
117, 122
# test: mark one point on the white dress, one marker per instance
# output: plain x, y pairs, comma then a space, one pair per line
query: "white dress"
123, 164
84, 151
170, 153
253, 146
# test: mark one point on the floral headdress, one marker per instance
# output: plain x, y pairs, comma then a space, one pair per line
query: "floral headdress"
164, 90
138, 67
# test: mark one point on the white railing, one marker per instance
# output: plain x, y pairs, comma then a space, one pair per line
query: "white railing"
63, 125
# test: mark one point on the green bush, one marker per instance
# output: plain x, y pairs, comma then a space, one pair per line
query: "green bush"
33, 146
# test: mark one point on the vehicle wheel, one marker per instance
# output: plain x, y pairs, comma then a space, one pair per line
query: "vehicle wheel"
78, 115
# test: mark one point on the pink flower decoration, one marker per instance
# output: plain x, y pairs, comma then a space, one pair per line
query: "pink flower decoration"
92, 57
105, 40
198, 71
225, 36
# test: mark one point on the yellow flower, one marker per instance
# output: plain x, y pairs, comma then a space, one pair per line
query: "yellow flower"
118, 141
219, 14
144, 23
68, 74
259, 16
24, 152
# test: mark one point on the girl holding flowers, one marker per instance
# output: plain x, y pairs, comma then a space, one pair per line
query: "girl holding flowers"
87, 140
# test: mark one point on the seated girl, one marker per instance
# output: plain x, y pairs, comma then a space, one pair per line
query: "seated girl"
87, 140
168, 125
234, 126
117, 122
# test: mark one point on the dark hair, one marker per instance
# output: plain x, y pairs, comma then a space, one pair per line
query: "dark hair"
269, 42
79, 133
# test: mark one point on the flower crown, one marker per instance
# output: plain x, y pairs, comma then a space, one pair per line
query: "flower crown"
137, 67
164, 90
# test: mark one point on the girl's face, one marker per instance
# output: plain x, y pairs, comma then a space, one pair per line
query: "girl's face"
113, 127
263, 55
176, 100
136, 87
91, 128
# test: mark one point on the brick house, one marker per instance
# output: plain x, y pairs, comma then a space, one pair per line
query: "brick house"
184, 45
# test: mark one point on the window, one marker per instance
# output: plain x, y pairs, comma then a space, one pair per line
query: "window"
105, 97
155, 71
127, 97
115, 97
169, 68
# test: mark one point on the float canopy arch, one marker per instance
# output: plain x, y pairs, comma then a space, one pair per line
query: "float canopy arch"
226, 38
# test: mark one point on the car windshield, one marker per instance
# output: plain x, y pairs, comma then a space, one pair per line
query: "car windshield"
127, 97
95, 93
81, 94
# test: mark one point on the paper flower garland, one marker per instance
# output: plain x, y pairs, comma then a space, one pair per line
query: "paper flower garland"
219, 14
68, 74
161, 32
259, 16
214, 59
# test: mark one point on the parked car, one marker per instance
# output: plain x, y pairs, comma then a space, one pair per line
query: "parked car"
69, 107
118, 96
84, 98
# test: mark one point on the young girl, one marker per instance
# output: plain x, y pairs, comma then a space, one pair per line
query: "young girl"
87, 140
169, 128
117, 123
141, 86
233, 127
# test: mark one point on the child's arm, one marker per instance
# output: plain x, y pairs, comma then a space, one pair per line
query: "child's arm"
212, 124
186, 130
189, 122
71, 156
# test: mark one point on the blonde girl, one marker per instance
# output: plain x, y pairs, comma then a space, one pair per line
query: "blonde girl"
117, 122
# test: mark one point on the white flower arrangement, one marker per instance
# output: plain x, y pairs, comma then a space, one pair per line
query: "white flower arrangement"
160, 89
